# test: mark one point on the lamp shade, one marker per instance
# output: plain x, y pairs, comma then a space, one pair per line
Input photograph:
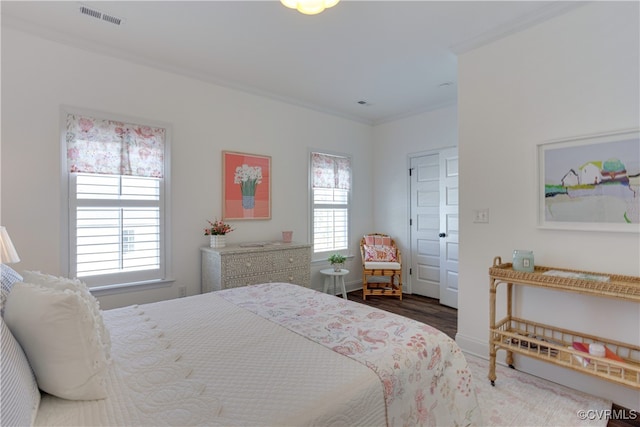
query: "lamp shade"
309, 7
8, 252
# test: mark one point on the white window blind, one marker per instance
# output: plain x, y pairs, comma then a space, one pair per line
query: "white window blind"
121, 233
116, 201
331, 186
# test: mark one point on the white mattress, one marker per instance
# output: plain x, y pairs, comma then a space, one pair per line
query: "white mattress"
205, 360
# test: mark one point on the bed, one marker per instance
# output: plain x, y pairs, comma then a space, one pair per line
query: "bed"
270, 354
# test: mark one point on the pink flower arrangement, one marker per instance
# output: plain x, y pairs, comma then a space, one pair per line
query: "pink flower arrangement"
217, 228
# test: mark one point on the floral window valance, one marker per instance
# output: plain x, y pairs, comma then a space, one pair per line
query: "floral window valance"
111, 147
331, 171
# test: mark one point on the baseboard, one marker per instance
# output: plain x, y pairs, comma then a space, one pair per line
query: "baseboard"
353, 286
472, 346
349, 286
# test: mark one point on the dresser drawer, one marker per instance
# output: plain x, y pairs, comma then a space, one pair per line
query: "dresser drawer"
264, 262
299, 276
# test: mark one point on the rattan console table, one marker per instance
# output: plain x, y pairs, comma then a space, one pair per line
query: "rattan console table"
555, 345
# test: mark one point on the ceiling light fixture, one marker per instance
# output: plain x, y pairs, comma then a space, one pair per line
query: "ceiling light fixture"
309, 7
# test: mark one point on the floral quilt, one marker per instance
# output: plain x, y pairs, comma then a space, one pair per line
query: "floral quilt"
424, 375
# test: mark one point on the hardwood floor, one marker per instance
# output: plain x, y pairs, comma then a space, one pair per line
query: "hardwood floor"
627, 418
429, 311
422, 309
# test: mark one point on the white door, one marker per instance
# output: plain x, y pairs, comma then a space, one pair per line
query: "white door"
434, 226
449, 231
425, 225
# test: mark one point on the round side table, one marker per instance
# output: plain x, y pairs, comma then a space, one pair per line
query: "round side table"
338, 279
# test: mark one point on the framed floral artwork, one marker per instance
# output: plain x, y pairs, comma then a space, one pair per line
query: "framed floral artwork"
590, 183
246, 186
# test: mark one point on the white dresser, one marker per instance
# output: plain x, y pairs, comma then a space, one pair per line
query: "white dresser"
234, 266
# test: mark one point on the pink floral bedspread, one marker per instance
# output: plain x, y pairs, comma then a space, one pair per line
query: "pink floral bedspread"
424, 375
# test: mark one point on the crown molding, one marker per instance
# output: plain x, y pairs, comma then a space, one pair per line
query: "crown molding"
55, 36
529, 20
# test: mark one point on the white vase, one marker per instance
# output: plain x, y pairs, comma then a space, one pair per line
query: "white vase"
218, 241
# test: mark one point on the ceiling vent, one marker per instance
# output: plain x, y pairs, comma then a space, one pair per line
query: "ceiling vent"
99, 15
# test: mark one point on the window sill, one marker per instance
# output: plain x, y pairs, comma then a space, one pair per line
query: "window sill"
323, 260
119, 288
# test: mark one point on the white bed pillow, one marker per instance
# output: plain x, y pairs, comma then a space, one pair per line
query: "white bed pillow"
19, 394
62, 283
57, 330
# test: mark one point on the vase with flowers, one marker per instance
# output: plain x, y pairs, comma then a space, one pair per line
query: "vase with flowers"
217, 231
248, 177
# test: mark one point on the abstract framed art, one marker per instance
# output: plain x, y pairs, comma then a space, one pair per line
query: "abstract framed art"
590, 182
246, 186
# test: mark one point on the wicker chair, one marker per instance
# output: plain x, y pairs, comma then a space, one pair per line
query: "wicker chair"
380, 258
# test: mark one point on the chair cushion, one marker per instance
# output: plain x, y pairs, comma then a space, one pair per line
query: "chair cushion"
377, 240
380, 253
377, 265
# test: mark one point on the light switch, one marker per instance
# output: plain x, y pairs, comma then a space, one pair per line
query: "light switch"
481, 215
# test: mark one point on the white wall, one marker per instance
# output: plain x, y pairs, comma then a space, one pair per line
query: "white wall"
576, 74
528, 88
39, 76
394, 143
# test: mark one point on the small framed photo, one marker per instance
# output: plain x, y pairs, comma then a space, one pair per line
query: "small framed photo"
246, 186
590, 183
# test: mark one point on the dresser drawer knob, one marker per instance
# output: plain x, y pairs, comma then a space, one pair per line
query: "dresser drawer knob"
291, 279
248, 264
291, 259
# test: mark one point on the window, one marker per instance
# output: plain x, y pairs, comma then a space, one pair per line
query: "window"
117, 211
331, 199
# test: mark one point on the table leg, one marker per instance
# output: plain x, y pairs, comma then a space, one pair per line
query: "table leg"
344, 291
509, 358
326, 284
492, 326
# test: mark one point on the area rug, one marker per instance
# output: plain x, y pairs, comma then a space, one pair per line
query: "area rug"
523, 400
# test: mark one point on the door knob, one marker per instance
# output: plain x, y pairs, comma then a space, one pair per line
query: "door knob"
442, 235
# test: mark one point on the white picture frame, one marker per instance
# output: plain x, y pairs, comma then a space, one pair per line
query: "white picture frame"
590, 183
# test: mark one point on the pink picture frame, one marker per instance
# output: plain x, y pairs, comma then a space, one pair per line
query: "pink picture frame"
246, 186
